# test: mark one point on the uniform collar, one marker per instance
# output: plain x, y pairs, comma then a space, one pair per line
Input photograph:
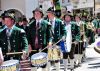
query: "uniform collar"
52, 19
39, 20
11, 27
68, 23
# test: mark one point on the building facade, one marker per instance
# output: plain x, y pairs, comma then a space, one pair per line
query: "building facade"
23, 7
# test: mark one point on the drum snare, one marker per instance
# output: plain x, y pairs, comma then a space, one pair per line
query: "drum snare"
54, 54
10, 65
39, 59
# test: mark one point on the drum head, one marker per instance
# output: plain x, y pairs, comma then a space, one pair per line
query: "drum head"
9, 63
38, 55
97, 45
97, 42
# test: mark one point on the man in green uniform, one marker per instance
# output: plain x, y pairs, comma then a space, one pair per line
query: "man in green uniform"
80, 49
39, 34
72, 39
96, 23
12, 38
58, 32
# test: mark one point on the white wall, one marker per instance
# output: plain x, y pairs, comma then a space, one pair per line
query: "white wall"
13, 4
30, 6
24, 6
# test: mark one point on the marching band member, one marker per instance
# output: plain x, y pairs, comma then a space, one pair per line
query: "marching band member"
63, 11
12, 38
72, 38
90, 32
58, 31
38, 34
80, 49
96, 23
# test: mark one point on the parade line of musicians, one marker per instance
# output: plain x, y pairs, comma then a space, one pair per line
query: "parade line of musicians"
75, 34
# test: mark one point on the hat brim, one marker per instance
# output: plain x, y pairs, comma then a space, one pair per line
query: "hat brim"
37, 11
9, 17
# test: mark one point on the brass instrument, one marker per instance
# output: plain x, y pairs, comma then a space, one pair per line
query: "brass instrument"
90, 26
82, 32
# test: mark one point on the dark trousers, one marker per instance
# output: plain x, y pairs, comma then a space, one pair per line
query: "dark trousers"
70, 54
79, 48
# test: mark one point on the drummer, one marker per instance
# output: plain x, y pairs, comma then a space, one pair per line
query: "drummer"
58, 32
12, 39
38, 34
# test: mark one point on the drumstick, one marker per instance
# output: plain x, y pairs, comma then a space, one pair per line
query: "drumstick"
14, 53
52, 45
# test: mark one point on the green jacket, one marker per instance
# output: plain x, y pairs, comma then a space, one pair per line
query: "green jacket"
59, 30
75, 32
44, 35
96, 23
18, 42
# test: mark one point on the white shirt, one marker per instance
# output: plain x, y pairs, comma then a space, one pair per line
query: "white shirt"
7, 31
39, 21
68, 38
53, 23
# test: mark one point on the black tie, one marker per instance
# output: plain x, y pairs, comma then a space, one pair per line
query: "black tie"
51, 22
37, 25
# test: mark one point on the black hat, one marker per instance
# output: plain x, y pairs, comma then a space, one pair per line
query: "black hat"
38, 9
24, 19
2, 15
51, 10
10, 15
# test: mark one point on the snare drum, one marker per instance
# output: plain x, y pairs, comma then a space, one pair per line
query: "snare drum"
10, 65
54, 53
39, 59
